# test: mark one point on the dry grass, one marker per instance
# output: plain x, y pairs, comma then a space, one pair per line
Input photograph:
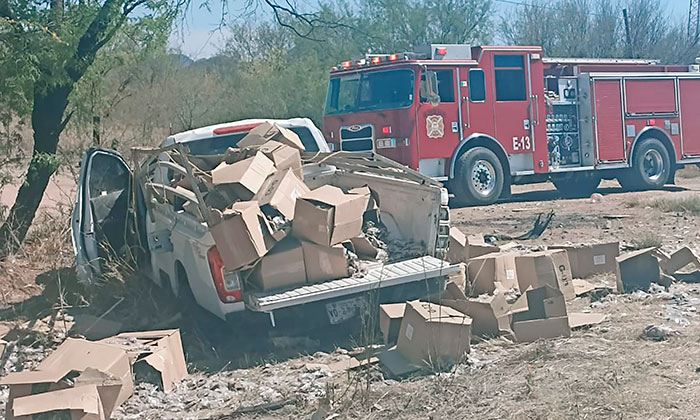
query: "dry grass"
690, 171
647, 240
686, 204
606, 372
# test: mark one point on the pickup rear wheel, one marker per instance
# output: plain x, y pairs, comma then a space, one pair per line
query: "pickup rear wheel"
478, 178
650, 169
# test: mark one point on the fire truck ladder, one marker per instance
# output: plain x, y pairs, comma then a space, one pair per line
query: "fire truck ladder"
694, 21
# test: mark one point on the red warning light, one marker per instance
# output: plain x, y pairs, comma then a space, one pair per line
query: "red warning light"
442, 51
393, 57
386, 130
376, 60
651, 122
346, 64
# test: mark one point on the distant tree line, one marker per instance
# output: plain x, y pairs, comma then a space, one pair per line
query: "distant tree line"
91, 72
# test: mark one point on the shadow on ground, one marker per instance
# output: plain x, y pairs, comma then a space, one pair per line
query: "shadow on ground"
210, 344
553, 194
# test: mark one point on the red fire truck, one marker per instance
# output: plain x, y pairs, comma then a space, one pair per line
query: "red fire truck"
484, 118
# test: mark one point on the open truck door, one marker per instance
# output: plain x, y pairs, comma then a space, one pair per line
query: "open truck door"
101, 226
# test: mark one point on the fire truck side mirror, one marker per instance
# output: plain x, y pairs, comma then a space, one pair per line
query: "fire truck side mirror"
432, 93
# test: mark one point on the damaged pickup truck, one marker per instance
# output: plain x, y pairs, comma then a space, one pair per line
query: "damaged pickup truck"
176, 214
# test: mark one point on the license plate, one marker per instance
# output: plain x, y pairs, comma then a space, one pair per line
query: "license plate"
343, 310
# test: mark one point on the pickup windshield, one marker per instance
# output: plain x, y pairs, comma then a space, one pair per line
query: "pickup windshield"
218, 145
373, 91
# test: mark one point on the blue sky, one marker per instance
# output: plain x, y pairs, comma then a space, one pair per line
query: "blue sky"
199, 37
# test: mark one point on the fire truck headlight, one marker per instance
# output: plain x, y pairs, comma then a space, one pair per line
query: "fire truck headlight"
386, 143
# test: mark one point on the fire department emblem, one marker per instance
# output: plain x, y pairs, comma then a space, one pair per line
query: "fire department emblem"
435, 126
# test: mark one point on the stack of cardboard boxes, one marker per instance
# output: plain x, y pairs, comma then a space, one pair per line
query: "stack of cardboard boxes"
267, 222
512, 293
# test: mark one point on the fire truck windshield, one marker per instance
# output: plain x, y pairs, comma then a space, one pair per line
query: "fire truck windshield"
371, 91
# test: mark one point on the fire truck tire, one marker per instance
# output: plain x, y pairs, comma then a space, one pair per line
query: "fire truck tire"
651, 167
479, 177
577, 185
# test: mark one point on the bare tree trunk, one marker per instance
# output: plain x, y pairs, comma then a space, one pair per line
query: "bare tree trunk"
50, 103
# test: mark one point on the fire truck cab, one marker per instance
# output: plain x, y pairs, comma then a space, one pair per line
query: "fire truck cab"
484, 118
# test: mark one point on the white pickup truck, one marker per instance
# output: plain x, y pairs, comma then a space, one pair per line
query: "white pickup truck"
123, 214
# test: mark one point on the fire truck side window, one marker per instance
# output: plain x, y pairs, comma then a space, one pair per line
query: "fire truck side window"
477, 85
446, 86
510, 78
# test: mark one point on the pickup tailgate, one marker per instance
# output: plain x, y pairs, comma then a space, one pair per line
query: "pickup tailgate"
380, 276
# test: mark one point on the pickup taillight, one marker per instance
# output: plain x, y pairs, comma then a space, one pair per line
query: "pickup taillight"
228, 285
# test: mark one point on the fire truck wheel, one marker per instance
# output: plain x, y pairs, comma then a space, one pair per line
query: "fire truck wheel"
577, 185
478, 177
651, 167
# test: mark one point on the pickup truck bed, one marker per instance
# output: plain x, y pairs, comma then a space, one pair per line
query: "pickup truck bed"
388, 275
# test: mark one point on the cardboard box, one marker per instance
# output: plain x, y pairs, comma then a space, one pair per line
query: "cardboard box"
245, 177
363, 247
484, 271
549, 268
242, 234
582, 320
280, 191
533, 330
390, 316
430, 333
589, 259
463, 248
73, 355
281, 267
637, 270
324, 263
80, 403
486, 312
284, 157
678, 260
543, 302
160, 349
327, 216
271, 131
546, 316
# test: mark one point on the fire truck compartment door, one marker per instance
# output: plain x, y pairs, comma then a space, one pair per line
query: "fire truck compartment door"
690, 116
608, 113
438, 123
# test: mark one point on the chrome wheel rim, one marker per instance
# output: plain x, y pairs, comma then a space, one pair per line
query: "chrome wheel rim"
483, 177
653, 165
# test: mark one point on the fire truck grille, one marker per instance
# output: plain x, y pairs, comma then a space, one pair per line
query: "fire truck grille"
357, 138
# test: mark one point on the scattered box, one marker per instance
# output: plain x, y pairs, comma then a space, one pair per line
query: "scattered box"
390, 316
324, 263
463, 248
546, 316
242, 234
281, 267
589, 259
80, 403
430, 333
484, 271
284, 157
487, 313
271, 131
582, 287
244, 177
533, 330
327, 216
581, 320
280, 191
549, 268
678, 260
637, 270
73, 355
160, 349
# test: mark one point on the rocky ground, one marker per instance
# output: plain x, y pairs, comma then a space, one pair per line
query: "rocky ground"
613, 370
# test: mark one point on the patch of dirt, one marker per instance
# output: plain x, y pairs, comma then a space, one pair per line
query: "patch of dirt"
607, 371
